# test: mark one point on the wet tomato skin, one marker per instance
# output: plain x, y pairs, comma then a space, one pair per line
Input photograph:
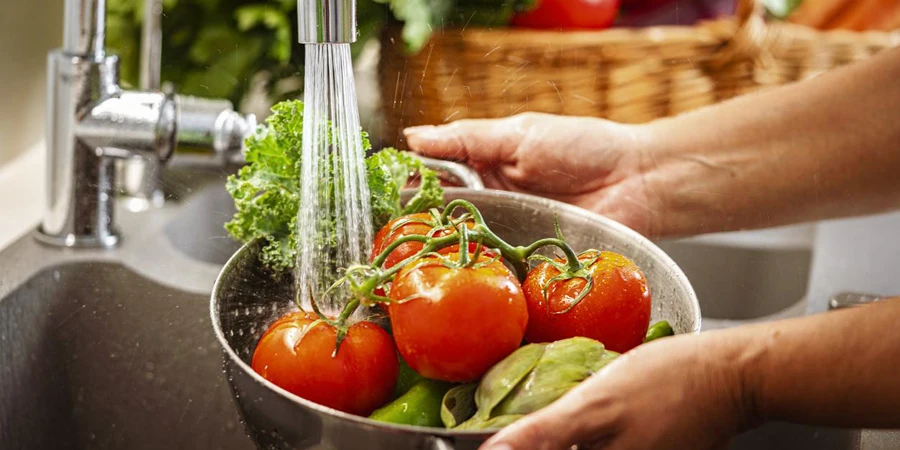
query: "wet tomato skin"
297, 358
453, 324
413, 226
396, 229
616, 312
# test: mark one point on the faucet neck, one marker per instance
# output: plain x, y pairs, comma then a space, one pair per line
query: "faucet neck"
84, 30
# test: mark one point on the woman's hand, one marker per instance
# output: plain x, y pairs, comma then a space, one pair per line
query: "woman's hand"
680, 392
592, 163
696, 391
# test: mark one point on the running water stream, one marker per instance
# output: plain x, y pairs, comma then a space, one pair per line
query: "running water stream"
334, 220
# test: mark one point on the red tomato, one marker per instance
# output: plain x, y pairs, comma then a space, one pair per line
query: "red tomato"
412, 225
358, 380
568, 14
615, 312
453, 324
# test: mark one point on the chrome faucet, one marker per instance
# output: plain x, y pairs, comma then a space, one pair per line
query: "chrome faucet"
102, 139
92, 123
326, 21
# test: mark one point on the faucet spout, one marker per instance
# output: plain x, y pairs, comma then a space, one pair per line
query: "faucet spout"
326, 21
84, 30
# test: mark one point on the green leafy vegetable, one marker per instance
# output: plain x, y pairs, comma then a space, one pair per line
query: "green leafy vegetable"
531, 378
266, 191
389, 171
458, 405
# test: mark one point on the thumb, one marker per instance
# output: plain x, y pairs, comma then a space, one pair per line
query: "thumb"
484, 141
559, 426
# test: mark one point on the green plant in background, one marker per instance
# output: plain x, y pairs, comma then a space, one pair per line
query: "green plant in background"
218, 48
211, 48
781, 8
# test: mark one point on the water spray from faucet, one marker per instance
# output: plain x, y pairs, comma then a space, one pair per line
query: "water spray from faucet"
334, 218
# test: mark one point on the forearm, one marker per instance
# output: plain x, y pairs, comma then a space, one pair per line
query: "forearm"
837, 369
827, 147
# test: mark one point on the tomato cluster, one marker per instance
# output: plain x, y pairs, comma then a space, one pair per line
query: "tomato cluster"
453, 314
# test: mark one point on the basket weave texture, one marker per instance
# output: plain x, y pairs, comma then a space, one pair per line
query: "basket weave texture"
627, 75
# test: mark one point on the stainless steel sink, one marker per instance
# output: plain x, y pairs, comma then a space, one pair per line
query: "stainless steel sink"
114, 350
737, 284
198, 230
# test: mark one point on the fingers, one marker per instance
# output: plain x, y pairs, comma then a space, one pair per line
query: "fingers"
486, 141
493, 180
572, 420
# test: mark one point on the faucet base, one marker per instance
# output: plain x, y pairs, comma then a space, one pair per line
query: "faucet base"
72, 240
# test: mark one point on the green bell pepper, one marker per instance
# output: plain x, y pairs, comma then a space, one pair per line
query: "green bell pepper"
420, 405
658, 330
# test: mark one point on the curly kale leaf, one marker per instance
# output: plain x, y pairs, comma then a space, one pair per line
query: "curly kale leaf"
389, 170
266, 191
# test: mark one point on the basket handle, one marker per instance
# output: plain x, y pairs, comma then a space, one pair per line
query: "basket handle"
746, 40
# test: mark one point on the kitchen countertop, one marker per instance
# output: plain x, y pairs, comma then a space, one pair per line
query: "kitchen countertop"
21, 194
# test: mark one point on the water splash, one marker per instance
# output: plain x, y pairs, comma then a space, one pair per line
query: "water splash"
334, 220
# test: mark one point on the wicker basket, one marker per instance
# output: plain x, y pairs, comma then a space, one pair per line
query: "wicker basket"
627, 75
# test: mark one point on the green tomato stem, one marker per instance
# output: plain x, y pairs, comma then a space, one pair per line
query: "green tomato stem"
574, 265
463, 246
517, 256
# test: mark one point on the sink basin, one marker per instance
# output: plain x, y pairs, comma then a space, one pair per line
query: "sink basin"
114, 349
93, 355
199, 231
737, 284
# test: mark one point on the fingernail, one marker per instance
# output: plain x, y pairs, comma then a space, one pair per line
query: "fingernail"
417, 130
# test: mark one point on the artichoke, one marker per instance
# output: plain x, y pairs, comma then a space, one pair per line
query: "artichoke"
529, 379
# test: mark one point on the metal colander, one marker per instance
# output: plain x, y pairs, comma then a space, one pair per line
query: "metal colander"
247, 298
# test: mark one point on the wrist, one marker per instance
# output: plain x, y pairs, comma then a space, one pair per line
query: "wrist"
693, 179
736, 357
746, 351
657, 172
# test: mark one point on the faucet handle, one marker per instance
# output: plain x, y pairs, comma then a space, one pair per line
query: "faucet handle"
211, 124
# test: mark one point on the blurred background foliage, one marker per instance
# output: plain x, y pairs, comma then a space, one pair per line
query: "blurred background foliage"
222, 48
214, 48
229, 48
